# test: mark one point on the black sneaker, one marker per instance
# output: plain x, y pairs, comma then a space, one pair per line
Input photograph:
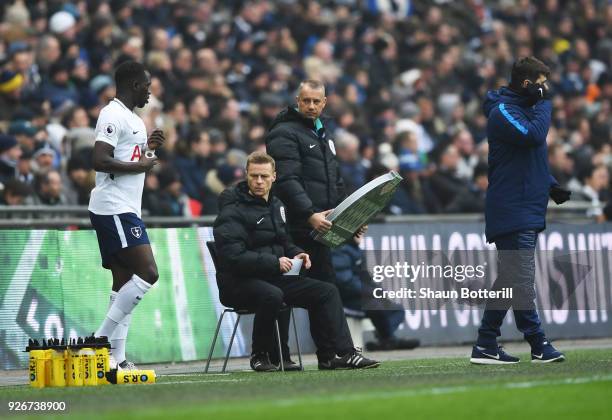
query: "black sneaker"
289, 366
546, 353
393, 343
352, 360
260, 362
492, 356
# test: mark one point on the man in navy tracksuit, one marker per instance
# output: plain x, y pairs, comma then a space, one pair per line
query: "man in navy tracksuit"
519, 186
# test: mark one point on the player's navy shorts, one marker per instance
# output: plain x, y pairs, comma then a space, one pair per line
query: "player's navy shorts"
116, 232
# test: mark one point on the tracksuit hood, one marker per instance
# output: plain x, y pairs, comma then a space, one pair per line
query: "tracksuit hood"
505, 95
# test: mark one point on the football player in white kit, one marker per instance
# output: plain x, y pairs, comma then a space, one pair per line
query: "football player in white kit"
121, 158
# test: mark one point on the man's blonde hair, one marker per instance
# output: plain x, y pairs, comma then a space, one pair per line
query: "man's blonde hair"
260, 158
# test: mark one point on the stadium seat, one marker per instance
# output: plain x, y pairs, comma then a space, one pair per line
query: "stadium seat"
239, 312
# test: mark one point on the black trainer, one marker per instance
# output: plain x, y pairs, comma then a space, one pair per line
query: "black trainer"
352, 360
289, 365
491, 356
546, 353
260, 362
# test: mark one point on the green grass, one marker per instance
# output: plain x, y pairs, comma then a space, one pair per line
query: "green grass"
432, 388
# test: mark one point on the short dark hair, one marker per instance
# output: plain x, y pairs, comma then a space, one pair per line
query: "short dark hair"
312, 84
128, 72
17, 187
527, 68
260, 158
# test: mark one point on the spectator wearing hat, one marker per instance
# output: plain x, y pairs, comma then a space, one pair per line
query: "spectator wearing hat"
21, 60
44, 159
63, 25
10, 152
103, 87
24, 168
15, 193
25, 133
11, 84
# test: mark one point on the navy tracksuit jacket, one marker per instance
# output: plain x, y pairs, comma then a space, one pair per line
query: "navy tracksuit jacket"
519, 177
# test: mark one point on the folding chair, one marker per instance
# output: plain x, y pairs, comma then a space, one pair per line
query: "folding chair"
239, 312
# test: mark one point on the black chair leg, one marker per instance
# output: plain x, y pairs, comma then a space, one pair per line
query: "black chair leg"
212, 346
297, 340
280, 350
229, 348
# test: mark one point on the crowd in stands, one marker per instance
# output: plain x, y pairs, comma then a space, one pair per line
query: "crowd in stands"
405, 82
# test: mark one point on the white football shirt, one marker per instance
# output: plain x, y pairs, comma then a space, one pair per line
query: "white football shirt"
126, 132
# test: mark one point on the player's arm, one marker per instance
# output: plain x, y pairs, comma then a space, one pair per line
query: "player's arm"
103, 161
521, 131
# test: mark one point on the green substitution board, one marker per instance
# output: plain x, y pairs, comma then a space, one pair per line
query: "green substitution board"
52, 284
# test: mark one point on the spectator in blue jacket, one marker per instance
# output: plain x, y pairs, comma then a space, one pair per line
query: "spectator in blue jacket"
356, 290
519, 186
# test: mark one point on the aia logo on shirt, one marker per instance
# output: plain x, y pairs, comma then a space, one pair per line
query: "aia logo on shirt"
136, 153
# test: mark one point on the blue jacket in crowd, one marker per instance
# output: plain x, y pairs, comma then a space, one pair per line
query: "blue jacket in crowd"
519, 178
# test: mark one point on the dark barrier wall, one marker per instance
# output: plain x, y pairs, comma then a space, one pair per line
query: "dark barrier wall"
460, 325
51, 284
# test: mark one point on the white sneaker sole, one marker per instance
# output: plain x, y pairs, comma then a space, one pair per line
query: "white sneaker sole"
556, 359
479, 361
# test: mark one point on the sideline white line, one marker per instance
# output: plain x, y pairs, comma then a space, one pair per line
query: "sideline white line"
200, 382
169, 375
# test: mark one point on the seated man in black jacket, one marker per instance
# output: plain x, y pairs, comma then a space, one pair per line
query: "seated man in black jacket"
254, 252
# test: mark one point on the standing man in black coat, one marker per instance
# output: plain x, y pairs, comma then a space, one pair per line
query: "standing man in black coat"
254, 252
309, 181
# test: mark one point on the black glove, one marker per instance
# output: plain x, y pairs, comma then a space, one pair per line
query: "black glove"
558, 194
539, 91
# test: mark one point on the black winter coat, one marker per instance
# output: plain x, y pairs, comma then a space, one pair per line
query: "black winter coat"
308, 176
250, 236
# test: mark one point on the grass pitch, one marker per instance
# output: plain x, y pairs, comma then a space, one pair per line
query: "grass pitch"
581, 388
